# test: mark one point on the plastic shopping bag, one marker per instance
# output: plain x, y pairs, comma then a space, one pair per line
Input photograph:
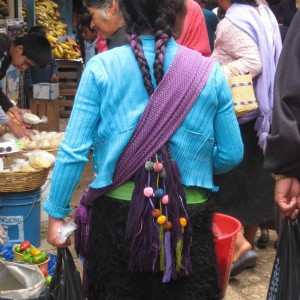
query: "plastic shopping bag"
66, 281
21, 281
285, 278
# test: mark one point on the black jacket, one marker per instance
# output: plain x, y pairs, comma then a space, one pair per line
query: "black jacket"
5, 62
283, 147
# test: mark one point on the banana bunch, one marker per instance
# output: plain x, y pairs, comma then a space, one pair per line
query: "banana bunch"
68, 49
3, 4
47, 15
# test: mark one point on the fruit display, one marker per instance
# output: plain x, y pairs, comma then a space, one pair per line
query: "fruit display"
26, 252
67, 49
47, 15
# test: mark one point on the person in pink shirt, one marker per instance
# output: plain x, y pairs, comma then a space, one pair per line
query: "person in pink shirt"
194, 35
101, 45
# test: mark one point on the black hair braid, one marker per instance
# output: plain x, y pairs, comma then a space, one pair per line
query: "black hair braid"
161, 40
136, 46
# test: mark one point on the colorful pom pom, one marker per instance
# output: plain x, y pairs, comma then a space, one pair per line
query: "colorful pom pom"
163, 173
156, 213
183, 222
148, 192
158, 167
161, 220
149, 165
165, 199
168, 225
159, 193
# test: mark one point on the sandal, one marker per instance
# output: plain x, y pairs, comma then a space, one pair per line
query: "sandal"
246, 261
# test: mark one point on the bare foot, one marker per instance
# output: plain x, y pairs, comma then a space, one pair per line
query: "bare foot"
241, 247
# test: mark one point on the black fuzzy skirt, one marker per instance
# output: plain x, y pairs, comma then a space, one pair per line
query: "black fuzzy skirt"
247, 191
108, 276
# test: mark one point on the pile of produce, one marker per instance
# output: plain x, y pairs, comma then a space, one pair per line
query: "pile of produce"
27, 253
47, 15
67, 49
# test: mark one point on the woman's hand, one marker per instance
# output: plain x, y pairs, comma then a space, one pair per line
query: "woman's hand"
18, 130
53, 226
287, 196
18, 115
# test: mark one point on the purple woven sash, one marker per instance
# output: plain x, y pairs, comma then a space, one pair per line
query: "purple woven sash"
165, 111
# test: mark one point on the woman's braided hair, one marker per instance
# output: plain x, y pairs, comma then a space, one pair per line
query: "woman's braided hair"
155, 17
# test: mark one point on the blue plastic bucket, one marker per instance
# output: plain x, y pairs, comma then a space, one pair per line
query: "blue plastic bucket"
20, 215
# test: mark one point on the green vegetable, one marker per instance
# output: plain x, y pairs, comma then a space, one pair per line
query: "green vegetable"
37, 259
27, 258
17, 248
48, 279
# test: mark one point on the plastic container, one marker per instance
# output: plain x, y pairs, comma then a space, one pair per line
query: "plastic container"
225, 229
45, 190
20, 215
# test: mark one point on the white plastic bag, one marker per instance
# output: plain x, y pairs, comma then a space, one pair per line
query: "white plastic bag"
33, 119
20, 280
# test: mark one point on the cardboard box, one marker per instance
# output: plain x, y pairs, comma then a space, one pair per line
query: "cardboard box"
45, 90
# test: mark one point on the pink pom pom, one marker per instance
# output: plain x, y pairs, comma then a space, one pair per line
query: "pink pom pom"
165, 199
158, 167
148, 191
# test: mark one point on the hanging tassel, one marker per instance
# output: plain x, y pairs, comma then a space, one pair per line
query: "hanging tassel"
168, 270
162, 249
82, 232
178, 255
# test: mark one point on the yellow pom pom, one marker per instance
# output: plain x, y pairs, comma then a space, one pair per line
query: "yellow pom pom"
183, 222
161, 220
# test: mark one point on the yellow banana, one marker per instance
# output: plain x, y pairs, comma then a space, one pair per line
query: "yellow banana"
56, 53
51, 39
65, 46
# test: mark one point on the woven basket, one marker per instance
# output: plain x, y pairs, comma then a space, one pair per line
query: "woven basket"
11, 182
244, 99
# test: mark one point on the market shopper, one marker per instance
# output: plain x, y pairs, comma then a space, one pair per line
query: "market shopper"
283, 147
195, 34
36, 74
22, 52
134, 145
89, 35
248, 42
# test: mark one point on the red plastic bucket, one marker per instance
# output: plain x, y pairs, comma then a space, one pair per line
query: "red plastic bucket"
225, 229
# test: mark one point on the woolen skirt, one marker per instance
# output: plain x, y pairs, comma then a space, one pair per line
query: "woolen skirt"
247, 191
108, 276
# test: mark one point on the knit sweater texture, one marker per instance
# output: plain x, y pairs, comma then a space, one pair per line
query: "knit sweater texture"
109, 102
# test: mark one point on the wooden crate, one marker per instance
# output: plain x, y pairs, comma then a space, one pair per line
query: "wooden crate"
48, 108
69, 73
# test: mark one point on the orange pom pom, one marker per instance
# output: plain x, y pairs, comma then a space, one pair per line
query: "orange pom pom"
183, 222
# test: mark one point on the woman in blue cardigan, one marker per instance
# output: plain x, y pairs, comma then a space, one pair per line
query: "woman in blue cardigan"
152, 110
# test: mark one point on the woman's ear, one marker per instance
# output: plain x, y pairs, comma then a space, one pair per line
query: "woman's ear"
114, 7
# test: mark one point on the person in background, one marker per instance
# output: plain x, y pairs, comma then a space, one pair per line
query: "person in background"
279, 14
101, 44
111, 102
248, 41
89, 35
283, 147
35, 74
211, 21
194, 35
22, 52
